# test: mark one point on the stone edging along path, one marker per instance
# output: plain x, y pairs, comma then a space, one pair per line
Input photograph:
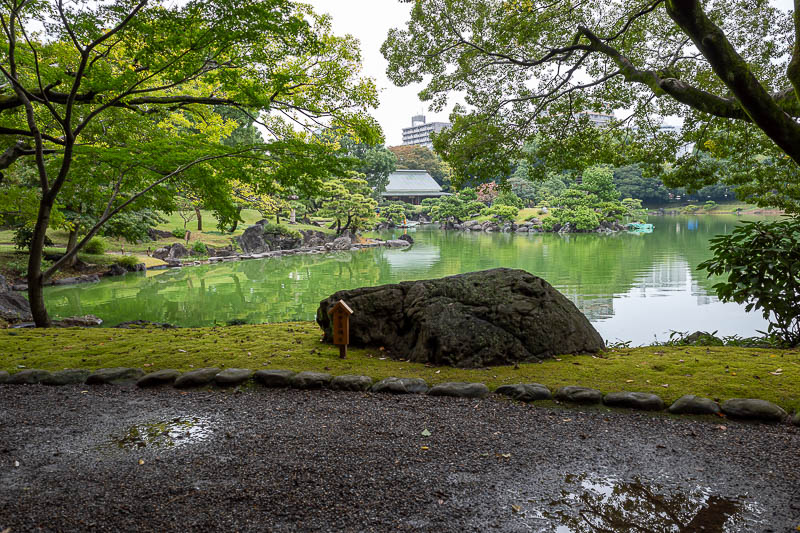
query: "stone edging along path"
737, 408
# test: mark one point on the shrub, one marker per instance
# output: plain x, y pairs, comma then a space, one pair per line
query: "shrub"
508, 198
762, 261
96, 246
710, 205
504, 212
691, 208
23, 236
277, 229
200, 247
179, 233
128, 262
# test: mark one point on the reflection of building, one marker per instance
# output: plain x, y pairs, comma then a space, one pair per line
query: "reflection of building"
420, 131
419, 257
412, 186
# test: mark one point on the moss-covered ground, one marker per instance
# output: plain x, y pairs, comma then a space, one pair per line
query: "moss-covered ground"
669, 371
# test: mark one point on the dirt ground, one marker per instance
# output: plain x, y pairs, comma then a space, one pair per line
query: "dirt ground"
119, 459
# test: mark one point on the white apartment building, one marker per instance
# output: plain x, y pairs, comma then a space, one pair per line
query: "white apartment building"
420, 131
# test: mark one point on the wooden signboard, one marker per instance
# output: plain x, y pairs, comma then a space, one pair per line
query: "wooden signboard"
340, 313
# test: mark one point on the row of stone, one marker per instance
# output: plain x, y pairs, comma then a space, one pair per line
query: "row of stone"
742, 408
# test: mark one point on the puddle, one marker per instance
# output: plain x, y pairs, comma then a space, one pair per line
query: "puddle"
590, 504
162, 434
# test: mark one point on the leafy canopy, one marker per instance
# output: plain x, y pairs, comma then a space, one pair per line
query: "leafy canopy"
531, 70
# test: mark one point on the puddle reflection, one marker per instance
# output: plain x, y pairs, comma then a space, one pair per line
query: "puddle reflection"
162, 434
604, 504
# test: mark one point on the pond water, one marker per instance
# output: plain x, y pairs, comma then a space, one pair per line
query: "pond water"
633, 287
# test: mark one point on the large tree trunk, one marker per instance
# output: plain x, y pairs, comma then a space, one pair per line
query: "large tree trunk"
293, 217
35, 279
71, 243
199, 219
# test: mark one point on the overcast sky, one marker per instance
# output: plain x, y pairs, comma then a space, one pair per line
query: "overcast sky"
370, 21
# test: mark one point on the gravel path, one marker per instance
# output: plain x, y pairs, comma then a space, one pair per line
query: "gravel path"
72, 459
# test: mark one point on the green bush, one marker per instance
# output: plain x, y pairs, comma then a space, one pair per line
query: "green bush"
200, 247
504, 212
277, 229
691, 208
508, 198
128, 262
762, 263
23, 236
19, 265
96, 246
179, 233
710, 205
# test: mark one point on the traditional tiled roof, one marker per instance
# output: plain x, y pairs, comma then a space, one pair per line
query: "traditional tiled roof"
412, 183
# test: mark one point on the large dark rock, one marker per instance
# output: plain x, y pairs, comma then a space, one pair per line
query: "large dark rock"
258, 239
752, 409
14, 307
634, 400
493, 317
69, 376
525, 392
459, 390
114, 376
173, 252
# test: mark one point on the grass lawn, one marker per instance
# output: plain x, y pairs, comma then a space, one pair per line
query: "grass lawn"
715, 372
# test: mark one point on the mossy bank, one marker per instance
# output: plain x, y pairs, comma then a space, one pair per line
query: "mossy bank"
670, 371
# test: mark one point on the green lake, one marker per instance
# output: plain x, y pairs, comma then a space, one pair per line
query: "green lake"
633, 287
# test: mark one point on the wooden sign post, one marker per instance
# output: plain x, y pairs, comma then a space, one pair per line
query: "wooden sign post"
341, 326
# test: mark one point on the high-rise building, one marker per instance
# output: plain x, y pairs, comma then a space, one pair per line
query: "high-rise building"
420, 131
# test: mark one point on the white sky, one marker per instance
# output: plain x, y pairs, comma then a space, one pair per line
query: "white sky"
369, 21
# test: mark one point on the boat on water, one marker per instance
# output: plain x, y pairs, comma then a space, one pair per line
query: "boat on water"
639, 227
408, 224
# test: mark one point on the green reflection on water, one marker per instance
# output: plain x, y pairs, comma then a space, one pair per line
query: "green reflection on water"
649, 276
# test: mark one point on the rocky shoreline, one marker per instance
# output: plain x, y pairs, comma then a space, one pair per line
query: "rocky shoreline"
532, 226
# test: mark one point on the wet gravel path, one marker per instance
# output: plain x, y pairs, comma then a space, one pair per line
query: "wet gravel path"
287, 460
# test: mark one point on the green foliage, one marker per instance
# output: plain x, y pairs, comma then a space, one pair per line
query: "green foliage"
200, 247
506, 58
762, 261
508, 198
599, 181
96, 246
415, 157
22, 238
504, 212
394, 213
710, 205
178, 233
630, 182
349, 201
128, 262
278, 229
690, 208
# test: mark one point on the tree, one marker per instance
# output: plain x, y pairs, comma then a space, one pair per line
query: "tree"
599, 181
121, 98
531, 70
415, 157
374, 161
630, 182
349, 201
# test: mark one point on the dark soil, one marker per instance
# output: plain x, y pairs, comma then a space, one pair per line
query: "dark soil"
287, 460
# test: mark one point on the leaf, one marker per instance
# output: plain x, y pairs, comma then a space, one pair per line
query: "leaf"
424, 448
628, 381
516, 508
426, 433
141, 461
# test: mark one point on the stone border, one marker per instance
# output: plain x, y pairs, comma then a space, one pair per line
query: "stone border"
735, 408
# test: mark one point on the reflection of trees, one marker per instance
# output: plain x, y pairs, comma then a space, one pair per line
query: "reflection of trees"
621, 507
589, 268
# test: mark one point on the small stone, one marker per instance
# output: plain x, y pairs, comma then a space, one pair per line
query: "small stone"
525, 392
196, 378
690, 404
310, 380
159, 377
459, 390
634, 400
397, 243
752, 409
114, 376
401, 386
275, 378
796, 419
351, 383
578, 395
232, 376
30, 376
3, 376
66, 377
